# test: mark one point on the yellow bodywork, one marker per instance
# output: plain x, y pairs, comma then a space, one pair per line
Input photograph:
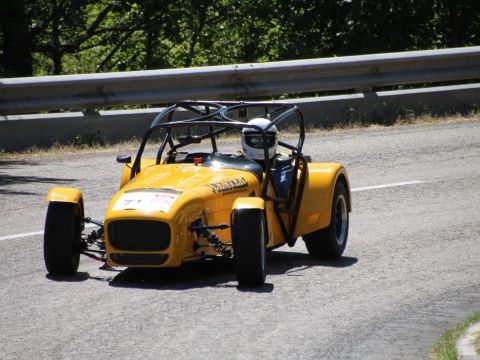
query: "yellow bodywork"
179, 201
197, 192
64, 194
317, 196
179, 194
249, 203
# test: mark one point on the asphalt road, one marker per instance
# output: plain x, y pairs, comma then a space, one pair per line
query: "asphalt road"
410, 270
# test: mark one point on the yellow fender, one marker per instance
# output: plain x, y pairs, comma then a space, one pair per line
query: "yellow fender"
245, 204
125, 178
64, 194
68, 195
127, 170
248, 203
315, 209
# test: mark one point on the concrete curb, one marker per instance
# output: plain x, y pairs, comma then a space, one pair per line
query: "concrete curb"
465, 344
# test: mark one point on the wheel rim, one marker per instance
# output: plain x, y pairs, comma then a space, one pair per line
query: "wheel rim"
341, 219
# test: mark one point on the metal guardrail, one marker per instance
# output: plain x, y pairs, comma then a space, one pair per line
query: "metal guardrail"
357, 73
362, 82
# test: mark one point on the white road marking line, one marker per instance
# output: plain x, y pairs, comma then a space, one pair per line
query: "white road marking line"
18, 236
34, 233
375, 187
363, 188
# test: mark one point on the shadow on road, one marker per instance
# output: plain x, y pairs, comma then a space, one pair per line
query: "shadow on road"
219, 272
7, 180
283, 262
78, 277
6, 164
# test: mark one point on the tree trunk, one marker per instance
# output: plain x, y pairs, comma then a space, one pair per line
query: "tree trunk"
56, 53
17, 47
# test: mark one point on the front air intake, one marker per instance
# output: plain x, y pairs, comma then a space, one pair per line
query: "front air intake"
139, 235
139, 259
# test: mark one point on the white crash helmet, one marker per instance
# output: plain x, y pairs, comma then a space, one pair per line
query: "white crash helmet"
252, 140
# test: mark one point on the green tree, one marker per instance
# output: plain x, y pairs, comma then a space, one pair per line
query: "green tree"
457, 23
78, 36
313, 28
64, 27
16, 44
391, 25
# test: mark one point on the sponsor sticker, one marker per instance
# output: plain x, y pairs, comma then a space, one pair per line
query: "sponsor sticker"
148, 201
228, 185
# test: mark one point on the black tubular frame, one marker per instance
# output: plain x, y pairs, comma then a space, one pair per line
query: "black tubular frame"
218, 118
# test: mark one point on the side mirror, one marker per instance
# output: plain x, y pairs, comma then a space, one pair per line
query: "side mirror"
124, 159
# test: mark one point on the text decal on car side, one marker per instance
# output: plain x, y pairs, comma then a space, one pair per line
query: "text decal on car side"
148, 201
229, 185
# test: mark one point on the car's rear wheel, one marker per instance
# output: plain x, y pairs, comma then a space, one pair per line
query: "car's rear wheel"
249, 243
61, 242
330, 242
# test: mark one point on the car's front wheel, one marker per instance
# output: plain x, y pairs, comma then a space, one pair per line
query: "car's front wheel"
330, 242
249, 245
62, 237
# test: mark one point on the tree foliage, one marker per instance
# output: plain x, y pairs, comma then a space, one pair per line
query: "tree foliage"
43, 37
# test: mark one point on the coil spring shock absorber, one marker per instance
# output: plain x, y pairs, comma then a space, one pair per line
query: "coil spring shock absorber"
201, 229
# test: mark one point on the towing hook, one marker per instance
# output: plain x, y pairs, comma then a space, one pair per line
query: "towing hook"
89, 220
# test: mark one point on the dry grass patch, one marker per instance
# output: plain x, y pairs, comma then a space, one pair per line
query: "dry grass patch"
62, 149
131, 146
477, 343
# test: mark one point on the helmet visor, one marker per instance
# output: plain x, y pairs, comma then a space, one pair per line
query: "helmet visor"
256, 141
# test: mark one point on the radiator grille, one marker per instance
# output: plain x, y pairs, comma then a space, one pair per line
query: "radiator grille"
139, 235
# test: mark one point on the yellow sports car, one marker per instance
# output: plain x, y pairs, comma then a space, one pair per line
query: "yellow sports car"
183, 198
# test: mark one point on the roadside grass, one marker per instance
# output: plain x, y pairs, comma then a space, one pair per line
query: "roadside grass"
411, 120
59, 149
444, 348
85, 145
477, 344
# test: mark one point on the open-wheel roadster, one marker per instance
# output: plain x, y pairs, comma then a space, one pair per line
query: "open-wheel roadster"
183, 197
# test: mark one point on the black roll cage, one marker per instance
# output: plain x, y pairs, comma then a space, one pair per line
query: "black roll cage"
219, 118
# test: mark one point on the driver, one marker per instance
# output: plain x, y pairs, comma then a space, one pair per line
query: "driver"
253, 149
252, 140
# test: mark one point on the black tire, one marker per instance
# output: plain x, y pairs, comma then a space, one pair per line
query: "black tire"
249, 245
61, 241
330, 242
